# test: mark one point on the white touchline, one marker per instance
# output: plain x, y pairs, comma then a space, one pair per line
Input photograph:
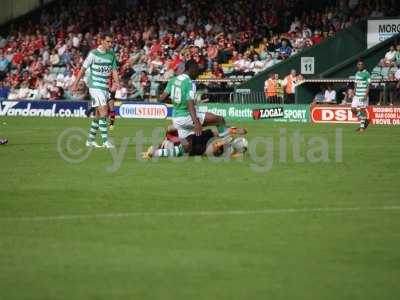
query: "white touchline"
202, 213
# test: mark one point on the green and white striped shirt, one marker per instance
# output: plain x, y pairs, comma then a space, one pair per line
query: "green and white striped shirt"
101, 64
363, 79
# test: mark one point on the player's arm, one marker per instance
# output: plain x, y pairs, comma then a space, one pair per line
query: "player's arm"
193, 115
86, 65
81, 73
115, 78
114, 73
165, 95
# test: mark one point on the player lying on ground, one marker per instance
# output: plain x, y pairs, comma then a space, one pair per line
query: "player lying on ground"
102, 63
3, 141
185, 117
360, 100
207, 143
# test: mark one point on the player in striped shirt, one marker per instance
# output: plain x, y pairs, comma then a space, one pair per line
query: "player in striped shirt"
103, 64
360, 100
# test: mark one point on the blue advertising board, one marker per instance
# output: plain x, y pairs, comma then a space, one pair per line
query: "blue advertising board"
36, 108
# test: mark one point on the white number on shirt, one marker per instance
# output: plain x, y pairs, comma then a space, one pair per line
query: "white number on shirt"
176, 94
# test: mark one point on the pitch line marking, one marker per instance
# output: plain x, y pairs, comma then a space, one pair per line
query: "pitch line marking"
202, 213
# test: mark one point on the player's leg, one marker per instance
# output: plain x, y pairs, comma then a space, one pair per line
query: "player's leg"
173, 151
3, 141
94, 126
364, 118
210, 119
165, 150
358, 108
111, 111
91, 110
171, 146
100, 102
103, 114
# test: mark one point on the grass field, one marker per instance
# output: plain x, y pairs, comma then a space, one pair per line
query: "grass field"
198, 229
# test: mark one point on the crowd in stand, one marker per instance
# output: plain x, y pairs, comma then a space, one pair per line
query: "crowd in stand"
152, 39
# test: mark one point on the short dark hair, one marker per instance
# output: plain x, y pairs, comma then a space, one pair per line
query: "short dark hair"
191, 65
105, 34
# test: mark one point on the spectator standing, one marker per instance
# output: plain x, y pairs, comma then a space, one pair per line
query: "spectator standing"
390, 57
271, 89
279, 88
289, 83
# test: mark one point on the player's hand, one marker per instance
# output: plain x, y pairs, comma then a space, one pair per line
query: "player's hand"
197, 128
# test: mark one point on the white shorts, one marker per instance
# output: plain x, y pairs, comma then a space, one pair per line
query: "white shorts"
99, 97
185, 125
358, 102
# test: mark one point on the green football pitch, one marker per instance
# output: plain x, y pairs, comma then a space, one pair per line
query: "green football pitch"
321, 224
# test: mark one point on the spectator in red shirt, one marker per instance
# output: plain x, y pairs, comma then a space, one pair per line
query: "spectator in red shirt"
155, 49
18, 58
175, 61
317, 37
